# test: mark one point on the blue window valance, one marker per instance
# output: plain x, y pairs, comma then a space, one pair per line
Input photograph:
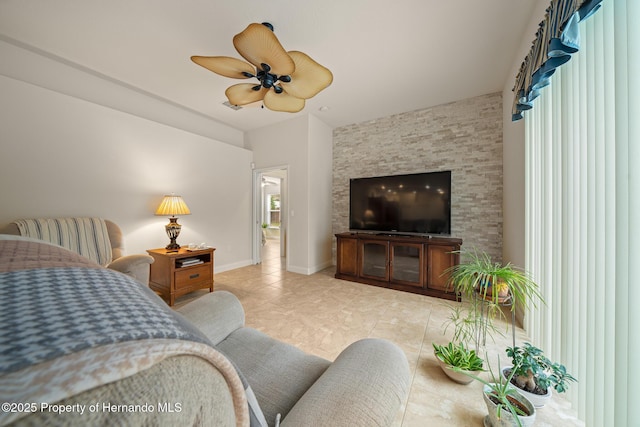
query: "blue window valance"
557, 38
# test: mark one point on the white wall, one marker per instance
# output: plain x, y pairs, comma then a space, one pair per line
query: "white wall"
513, 154
30, 65
320, 194
304, 145
66, 156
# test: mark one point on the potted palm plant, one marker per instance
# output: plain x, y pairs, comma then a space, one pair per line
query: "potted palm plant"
535, 375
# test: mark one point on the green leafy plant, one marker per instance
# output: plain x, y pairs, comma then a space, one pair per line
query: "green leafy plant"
479, 280
533, 372
501, 392
264, 225
456, 355
469, 326
477, 274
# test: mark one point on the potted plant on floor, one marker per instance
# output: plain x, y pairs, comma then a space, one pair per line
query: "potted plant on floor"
506, 406
454, 358
535, 375
488, 286
457, 353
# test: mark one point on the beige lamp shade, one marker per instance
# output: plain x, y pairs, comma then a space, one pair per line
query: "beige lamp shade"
173, 205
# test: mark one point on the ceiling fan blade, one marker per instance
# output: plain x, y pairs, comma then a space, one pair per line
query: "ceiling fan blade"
283, 102
309, 78
225, 66
243, 94
259, 45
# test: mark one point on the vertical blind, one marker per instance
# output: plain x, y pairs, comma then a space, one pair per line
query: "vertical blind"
583, 216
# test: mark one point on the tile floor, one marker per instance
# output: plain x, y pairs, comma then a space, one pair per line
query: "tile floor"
322, 315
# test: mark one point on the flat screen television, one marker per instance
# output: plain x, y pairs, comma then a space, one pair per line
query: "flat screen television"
401, 204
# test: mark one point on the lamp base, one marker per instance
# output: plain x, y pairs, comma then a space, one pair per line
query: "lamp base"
173, 231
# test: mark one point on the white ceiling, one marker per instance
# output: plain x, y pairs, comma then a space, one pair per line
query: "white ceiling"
386, 57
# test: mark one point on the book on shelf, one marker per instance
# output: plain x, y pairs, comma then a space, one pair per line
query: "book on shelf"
186, 262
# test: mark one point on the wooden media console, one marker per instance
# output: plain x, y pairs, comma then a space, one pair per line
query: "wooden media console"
408, 263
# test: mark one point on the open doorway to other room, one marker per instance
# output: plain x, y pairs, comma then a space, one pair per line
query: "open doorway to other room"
270, 216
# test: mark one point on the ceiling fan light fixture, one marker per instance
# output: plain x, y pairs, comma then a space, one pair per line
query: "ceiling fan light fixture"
299, 75
268, 80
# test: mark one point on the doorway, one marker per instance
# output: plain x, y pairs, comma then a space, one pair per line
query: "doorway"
270, 234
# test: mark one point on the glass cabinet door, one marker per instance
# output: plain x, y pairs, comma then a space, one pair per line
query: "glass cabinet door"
374, 260
406, 263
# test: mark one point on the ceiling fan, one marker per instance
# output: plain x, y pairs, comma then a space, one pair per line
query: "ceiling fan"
285, 79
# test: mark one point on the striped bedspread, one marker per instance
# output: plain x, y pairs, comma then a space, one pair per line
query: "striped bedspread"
85, 236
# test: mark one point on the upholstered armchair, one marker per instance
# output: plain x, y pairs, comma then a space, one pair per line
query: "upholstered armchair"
95, 238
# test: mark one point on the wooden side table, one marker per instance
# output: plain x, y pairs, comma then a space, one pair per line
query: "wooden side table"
175, 273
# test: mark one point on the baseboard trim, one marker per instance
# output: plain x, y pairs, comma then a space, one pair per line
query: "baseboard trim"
311, 270
233, 266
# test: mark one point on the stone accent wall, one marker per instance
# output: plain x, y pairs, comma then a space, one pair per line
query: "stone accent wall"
464, 137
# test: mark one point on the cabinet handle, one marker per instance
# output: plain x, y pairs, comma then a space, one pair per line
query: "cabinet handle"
194, 276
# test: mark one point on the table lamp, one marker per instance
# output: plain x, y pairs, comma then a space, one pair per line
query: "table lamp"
173, 205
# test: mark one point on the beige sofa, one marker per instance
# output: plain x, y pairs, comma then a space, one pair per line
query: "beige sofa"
136, 265
101, 349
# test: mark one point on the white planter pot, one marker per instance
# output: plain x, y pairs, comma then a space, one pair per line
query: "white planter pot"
458, 377
506, 418
538, 400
